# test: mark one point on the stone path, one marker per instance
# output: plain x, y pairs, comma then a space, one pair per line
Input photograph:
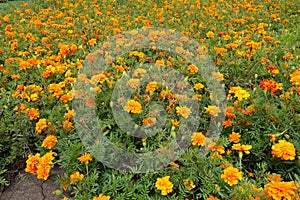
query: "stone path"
27, 187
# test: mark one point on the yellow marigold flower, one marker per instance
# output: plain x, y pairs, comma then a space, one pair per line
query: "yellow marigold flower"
86, 157
152, 86
281, 190
133, 82
101, 197
234, 137
218, 76
242, 148
198, 86
49, 141
76, 177
70, 114
183, 111
198, 139
164, 185
284, 150
239, 93
210, 34
32, 163
213, 110
33, 114
231, 175
193, 69
133, 107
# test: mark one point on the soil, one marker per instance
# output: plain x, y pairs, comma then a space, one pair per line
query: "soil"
27, 187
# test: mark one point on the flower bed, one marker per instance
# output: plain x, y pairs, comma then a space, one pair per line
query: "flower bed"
245, 147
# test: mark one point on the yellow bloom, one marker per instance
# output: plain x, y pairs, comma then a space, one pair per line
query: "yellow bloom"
231, 175
183, 111
86, 157
164, 185
213, 110
32, 163
133, 107
242, 148
210, 34
49, 141
284, 150
193, 69
198, 86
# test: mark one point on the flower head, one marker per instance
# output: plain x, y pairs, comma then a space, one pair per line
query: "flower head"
86, 157
231, 175
164, 185
49, 141
284, 150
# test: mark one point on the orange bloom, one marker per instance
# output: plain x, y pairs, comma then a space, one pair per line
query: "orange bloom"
281, 190
133, 82
231, 175
41, 125
32, 163
193, 69
76, 177
49, 141
66, 97
33, 114
271, 85
284, 150
183, 111
198, 139
234, 137
152, 86
133, 107
86, 157
210, 34
220, 51
295, 77
101, 197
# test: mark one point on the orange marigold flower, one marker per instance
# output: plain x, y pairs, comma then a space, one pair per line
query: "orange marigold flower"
32, 163
183, 111
92, 42
242, 148
295, 77
231, 175
218, 76
234, 137
70, 114
213, 110
49, 141
198, 139
193, 69
67, 125
284, 150
76, 177
101, 197
152, 86
66, 97
33, 114
220, 51
43, 172
86, 157
189, 184
41, 125
133, 107
271, 86
281, 190
211, 198
164, 185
